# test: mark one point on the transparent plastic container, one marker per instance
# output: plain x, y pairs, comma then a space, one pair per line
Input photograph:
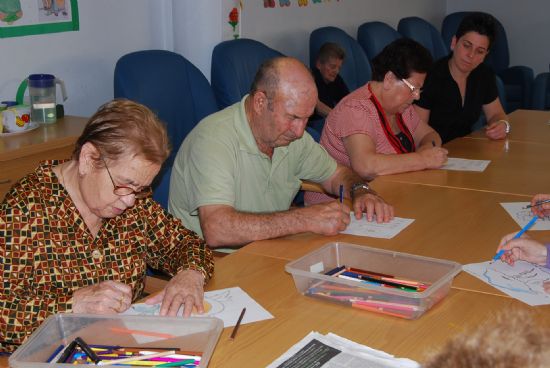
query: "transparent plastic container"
436, 276
189, 334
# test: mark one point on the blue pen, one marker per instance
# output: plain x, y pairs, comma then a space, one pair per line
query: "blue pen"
341, 193
518, 235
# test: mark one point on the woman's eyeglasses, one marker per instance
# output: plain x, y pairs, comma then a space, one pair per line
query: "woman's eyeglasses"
414, 90
121, 190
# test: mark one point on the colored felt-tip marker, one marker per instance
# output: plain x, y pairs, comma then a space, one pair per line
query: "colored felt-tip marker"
518, 235
341, 193
538, 203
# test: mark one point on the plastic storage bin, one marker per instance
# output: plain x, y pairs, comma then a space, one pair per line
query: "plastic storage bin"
189, 334
435, 274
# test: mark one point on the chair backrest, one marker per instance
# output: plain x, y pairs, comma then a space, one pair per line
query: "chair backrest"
425, 34
499, 55
356, 70
171, 87
541, 92
234, 65
374, 36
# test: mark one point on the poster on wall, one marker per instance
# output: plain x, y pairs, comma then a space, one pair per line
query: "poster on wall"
30, 17
286, 3
232, 19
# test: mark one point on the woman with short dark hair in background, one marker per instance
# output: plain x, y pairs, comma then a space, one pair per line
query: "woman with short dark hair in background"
77, 235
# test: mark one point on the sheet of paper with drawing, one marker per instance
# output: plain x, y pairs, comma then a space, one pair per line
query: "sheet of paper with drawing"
375, 230
225, 304
522, 281
523, 215
462, 164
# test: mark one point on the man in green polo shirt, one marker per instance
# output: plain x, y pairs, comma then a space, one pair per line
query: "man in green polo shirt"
236, 173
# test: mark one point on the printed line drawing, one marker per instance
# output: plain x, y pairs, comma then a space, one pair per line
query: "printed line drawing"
523, 281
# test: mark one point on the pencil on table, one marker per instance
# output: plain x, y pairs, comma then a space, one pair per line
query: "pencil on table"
236, 328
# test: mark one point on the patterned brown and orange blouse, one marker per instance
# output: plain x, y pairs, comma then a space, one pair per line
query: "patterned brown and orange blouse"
47, 251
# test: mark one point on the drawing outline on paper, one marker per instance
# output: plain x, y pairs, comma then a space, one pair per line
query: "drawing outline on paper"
522, 215
527, 281
523, 281
373, 229
225, 304
462, 164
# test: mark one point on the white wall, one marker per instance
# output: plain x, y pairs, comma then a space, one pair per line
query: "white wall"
527, 25
85, 59
287, 29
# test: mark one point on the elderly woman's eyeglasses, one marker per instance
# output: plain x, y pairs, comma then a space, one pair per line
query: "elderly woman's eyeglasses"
121, 190
414, 90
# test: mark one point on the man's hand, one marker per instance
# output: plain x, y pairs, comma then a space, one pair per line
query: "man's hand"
372, 205
325, 218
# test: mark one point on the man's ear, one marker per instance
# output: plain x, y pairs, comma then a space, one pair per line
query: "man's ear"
259, 101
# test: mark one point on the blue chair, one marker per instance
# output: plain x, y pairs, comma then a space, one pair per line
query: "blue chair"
234, 65
374, 36
425, 34
541, 92
356, 70
517, 80
174, 89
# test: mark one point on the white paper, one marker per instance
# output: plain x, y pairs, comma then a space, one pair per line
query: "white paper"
227, 305
345, 354
375, 230
522, 281
462, 164
523, 215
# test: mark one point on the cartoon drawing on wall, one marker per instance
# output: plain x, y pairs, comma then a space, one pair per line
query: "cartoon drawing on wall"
29, 17
269, 3
55, 7
10, 11
233, 21
302, 2
284, 3
523, 281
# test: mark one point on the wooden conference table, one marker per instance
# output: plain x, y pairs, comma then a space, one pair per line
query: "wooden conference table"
457, 217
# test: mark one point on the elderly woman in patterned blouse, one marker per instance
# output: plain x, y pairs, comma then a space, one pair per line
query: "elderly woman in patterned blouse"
76, 236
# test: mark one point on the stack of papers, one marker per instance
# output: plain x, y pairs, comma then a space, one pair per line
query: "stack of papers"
333, 351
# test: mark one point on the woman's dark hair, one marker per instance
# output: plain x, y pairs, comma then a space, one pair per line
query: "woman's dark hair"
482, 23
401, 57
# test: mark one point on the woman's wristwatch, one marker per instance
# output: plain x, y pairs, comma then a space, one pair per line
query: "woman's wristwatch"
363, 187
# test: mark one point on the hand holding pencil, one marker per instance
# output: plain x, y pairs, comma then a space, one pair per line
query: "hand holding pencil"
522, 248
540, 205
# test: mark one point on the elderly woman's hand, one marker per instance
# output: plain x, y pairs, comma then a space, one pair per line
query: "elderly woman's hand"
186, 288
107, 297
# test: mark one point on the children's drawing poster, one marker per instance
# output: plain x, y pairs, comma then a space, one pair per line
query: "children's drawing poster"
523, 281
299, 3
29, 17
